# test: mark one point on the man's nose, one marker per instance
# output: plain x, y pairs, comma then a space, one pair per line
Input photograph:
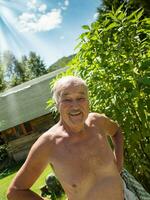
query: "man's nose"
75, 103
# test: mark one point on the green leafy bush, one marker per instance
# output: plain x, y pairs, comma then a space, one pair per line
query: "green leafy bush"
3, 157
3, 153
114, 59
52, 188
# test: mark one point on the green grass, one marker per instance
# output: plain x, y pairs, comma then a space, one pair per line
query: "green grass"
5, 182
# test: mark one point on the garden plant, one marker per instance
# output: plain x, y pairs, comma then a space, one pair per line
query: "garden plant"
114, 59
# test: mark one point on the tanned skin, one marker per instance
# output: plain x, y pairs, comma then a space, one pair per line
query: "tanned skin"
79, 151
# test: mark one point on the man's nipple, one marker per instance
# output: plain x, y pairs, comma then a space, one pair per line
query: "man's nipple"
74, 185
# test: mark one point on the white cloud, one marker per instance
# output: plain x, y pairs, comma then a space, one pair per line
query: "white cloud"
49, 21
37, 18
27, 17
32, 4
42, 8
31, 22
66, 2
63, 7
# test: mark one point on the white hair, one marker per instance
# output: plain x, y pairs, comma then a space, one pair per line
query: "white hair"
64, 81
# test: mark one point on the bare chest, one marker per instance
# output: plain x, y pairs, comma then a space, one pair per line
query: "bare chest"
76, 162
89, 151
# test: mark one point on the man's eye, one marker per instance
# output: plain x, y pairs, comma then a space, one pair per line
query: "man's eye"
67, 100
81, 99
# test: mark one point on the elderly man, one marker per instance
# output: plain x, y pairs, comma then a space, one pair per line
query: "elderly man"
78, 149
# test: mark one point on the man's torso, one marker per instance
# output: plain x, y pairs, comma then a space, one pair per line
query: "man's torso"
85, 164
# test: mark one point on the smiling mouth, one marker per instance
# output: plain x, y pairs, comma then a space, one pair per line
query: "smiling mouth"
75, 113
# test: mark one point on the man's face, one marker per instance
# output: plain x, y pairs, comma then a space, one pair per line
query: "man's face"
73, 105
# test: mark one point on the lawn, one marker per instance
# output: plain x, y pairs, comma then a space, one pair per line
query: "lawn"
4, 183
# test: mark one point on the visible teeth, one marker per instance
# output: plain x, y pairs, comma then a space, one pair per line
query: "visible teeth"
75, 113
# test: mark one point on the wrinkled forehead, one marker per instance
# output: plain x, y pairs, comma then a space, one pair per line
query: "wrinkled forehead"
73, 89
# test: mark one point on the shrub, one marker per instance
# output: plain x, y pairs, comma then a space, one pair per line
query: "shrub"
3, 157
114, 59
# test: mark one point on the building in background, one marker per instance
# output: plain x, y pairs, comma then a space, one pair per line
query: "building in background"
23, 114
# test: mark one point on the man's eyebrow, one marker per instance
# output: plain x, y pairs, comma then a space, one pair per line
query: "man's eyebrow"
65, 94
82, 92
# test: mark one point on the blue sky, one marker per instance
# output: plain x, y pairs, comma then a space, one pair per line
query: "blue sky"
48, 27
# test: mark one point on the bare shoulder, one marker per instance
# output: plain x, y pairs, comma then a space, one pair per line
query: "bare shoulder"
52, 134
97, 117
105, 123
42, 149
38, 158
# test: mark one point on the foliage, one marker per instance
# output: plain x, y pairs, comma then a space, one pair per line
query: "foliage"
62, 62
114, 59
52, 188
36, 66
3, 153
14, 72
9, 62
12, 167
128, 5
17, 72
2, 81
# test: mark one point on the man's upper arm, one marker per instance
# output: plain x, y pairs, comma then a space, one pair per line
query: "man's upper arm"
35, 163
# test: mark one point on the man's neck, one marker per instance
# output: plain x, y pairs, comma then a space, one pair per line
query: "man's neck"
73, 129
